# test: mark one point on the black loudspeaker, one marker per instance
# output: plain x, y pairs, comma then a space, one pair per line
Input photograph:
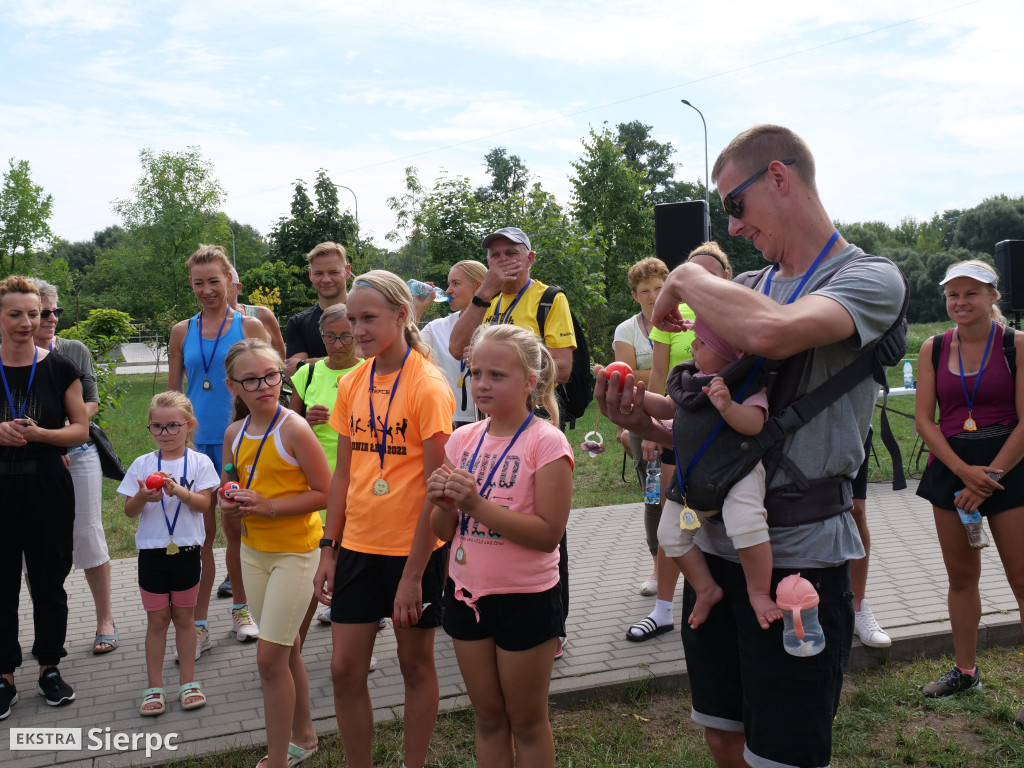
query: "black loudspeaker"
678, 229
1010, 266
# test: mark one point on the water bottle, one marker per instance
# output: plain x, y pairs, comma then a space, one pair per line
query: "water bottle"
422, 289
976, 535
652, 487
908, 375
802, 634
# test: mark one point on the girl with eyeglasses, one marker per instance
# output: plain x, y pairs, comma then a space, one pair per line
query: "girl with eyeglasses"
168, 490
196, 352
315, 388
284, 477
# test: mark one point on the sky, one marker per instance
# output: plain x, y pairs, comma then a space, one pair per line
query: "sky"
910, 108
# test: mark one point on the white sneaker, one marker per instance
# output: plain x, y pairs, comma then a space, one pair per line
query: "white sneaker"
649, 588
245, 628
324, 617
373, 663
867, 628
203, 642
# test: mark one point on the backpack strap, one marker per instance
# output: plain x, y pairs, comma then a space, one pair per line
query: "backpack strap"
547, 299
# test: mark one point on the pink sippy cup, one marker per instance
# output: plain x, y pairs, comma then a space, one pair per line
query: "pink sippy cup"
802, 634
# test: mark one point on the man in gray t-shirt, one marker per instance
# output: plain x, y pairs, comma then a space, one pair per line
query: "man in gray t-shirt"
759, 705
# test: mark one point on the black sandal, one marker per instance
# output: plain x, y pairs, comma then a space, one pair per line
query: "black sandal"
648, 628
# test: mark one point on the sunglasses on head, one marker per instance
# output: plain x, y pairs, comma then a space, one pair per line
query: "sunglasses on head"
734, 207
45, 313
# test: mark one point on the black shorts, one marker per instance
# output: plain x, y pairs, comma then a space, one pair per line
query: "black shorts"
938, 483
742, 680
365, 587
517, 621
162, 574
860, 482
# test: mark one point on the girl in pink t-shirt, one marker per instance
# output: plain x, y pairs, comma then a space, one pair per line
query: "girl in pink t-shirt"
503, 498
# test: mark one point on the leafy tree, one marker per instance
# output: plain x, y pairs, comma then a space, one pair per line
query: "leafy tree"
24, 215
651, 159
290, 281
175, 203
103, 332
995, 219
309, 224
509, 177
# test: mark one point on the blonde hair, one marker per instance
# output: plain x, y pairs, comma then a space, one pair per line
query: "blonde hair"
533, 355
17, 284
756, 147
178, 401
994, 312
327, 249
646, 269
210, 254
245, 347
396, 294
472, 269
713, 250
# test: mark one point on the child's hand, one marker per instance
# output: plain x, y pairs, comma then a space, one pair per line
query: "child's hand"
230, 505
146, 494
251, 503
317, 415
460, 487
719, 394
436, 488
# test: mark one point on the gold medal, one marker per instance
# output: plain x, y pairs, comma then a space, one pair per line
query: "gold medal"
460, 556
688, 519
380, 488
970, 425
172, 548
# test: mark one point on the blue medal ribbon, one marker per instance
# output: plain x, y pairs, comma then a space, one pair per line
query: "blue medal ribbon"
213, 355
17, 413
383, 439
488, 483
171, 524
252, 469
963, 378
497, 318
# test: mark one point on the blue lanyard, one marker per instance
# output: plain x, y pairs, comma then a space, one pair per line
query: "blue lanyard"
647, 332
486, 487
383, 439
497, 307
171, 524
681, 477
213, 355
15, 412
977, 380
252, 469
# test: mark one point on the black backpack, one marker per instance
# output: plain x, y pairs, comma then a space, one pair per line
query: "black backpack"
576, 394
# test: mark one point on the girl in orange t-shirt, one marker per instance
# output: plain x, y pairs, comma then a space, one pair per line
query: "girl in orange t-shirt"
378, 558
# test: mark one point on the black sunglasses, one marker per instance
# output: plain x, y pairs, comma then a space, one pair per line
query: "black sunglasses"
734, 207
45, 313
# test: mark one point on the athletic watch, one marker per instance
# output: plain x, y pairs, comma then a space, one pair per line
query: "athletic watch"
480, 302
329, 543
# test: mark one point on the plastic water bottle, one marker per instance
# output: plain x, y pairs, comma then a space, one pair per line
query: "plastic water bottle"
976, 535
421, 289
908, 375
652, 487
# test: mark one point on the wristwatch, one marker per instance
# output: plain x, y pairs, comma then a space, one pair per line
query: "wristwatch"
301, 363
329, 543
477, 301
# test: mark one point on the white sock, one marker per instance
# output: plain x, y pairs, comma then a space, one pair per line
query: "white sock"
662, 613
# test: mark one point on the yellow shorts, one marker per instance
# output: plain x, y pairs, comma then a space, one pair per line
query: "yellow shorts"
278, 586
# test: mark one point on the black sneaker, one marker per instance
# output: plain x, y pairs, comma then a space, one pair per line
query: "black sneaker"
8, 696
224, 590
951, 683
53, 687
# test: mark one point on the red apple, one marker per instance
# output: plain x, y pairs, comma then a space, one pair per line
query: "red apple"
620, 368
155, 481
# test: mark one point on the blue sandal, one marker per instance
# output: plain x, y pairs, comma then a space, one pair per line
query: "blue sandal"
100, 640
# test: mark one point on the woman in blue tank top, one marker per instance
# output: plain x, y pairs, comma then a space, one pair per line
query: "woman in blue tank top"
196, 353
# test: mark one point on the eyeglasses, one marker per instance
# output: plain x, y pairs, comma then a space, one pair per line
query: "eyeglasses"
734, 207
172, 428
272, 379
330, 338
45, 313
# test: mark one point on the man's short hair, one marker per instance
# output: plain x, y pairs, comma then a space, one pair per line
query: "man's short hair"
756, 147
515, 234
328, 249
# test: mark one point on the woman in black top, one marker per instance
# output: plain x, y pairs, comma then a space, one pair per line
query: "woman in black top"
41, 414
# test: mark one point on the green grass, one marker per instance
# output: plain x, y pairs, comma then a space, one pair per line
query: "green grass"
883, 721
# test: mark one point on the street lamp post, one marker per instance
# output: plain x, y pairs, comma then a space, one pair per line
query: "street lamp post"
707, 178
342, 186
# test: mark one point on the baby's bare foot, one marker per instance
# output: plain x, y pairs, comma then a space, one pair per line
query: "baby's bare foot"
765, 609
705, 602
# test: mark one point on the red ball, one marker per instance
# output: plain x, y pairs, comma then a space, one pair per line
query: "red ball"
155, 481
230, 485
620, 368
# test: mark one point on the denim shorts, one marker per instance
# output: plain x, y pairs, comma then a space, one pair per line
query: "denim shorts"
742, 680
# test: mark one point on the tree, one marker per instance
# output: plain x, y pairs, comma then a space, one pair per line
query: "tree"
24, 214
309, 224
172, 211
651, 159
509, 177
995, 219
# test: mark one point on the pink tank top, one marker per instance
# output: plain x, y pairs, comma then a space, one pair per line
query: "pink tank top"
995, 401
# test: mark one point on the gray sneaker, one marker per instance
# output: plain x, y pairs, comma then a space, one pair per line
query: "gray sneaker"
951, 683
